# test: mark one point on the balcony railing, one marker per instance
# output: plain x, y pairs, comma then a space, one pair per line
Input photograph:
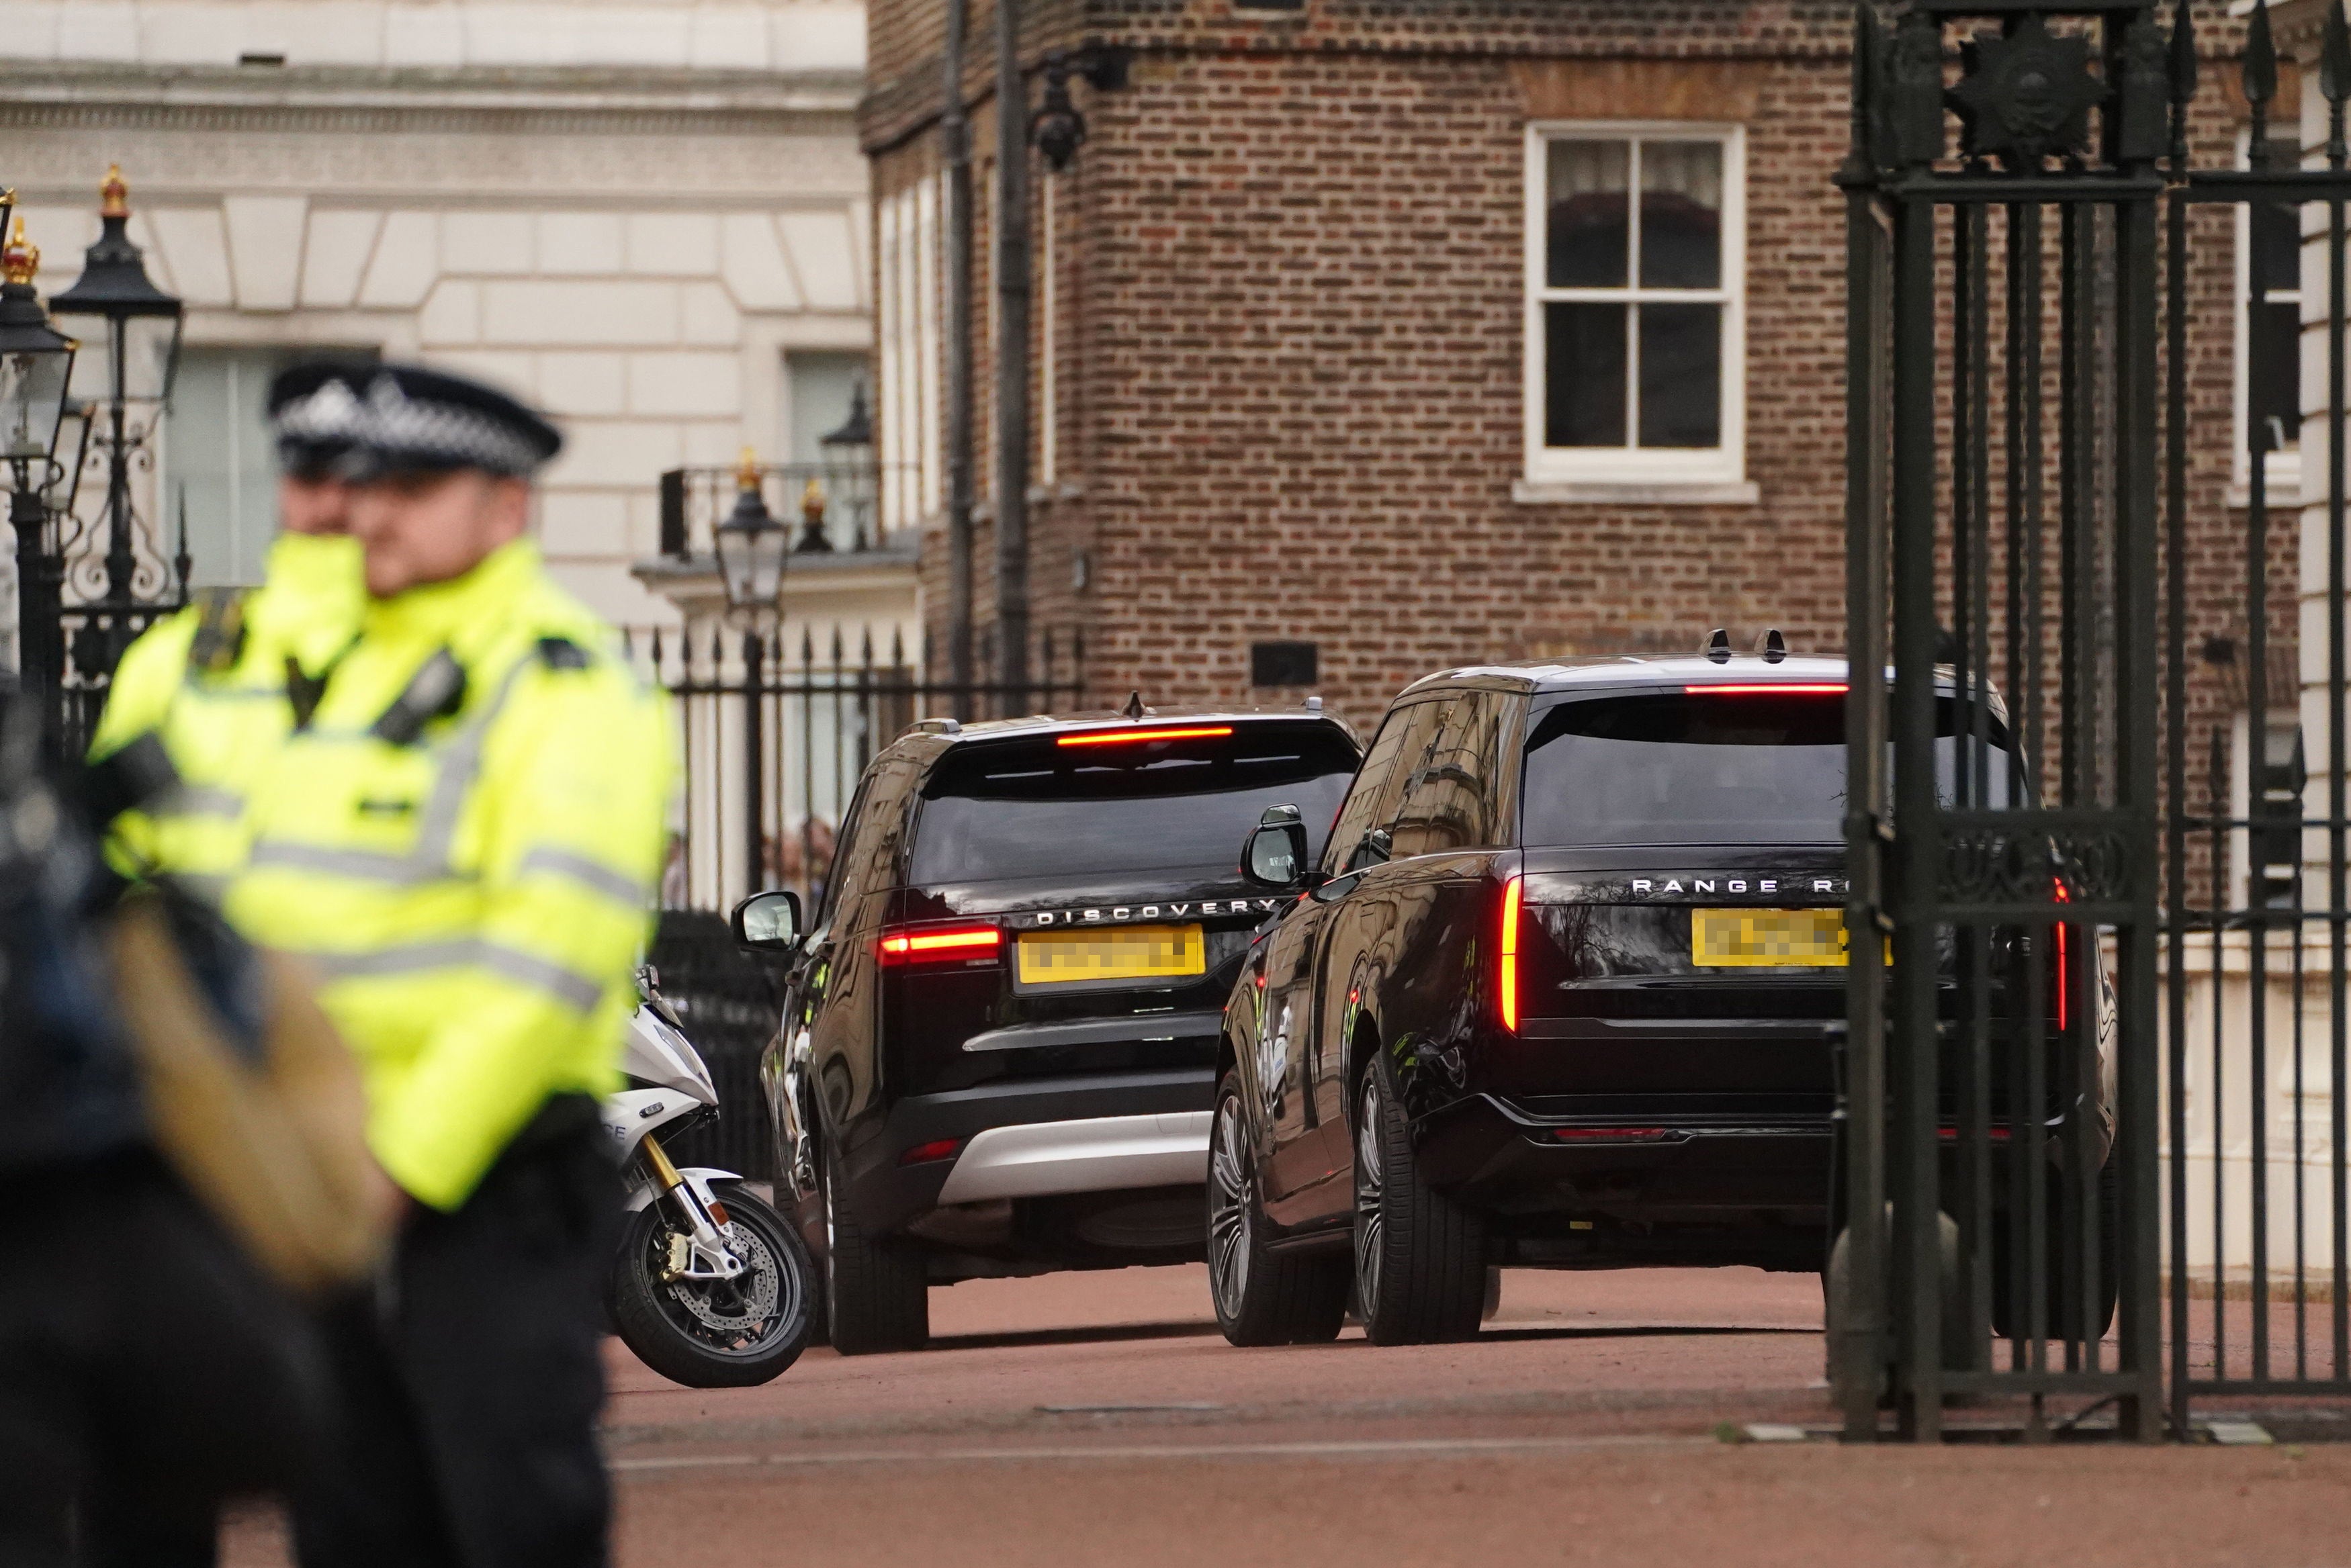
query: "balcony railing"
827, 507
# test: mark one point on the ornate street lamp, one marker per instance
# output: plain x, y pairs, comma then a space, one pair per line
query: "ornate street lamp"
750, 547
849, 454
35, 363
134, 329
35, 370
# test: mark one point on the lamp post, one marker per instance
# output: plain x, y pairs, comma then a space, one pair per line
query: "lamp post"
135, 328
35, 370
849, 454
750, 547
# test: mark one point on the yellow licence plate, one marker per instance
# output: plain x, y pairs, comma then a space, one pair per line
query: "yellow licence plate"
1756, 938
1121, 952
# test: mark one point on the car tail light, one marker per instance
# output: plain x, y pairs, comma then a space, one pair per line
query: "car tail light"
1768, 689
940, 944
1609, 1134
2063, 965
1136, 737
937, 1149
1507, 982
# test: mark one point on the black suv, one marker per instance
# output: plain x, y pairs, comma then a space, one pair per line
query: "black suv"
1564, 992
999, 1045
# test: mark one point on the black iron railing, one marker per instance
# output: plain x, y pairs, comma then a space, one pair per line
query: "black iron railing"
776, 734
830, 506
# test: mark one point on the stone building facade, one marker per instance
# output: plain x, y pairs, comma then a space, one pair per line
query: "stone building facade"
651, 218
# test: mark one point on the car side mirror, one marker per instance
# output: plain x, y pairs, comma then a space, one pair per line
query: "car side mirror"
768, 923
1274, 855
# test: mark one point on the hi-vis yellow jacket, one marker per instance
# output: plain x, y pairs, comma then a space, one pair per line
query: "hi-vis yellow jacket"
464, 842
212, 682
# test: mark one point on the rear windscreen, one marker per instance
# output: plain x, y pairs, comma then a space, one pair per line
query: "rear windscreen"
1038, 808
1697, 768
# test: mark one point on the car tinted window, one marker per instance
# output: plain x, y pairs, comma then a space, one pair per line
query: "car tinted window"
867, 860
1371, 793
1697, 768
1036, 807
1447, 802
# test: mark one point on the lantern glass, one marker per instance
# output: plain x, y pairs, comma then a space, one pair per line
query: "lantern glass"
148, 364
751, 562
32, 402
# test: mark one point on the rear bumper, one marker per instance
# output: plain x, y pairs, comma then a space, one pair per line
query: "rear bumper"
1096, 1154
1631, 1163
1033, 1137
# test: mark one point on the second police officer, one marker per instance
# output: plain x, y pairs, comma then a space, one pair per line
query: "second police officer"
223, 681
462, 836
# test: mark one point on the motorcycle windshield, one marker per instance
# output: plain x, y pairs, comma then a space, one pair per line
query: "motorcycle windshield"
658, 1055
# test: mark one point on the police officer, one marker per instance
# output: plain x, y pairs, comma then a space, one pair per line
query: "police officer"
223, 681
148, 1370
462, 839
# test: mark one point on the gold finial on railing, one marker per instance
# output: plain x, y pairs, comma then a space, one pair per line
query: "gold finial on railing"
114, 193
812, 501
747, 471
21, 259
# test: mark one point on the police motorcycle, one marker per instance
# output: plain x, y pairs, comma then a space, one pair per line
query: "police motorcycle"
711, 1288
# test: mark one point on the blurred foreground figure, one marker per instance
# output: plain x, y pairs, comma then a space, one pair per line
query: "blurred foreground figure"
223, 683
462, 838
169, 1175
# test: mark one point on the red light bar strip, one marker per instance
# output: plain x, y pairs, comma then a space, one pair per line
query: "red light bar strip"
1136, 737
1608, 1135
1770, 689
969, 941
1512, 892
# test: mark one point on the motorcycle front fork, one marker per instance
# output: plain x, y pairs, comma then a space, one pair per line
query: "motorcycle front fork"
700, 1252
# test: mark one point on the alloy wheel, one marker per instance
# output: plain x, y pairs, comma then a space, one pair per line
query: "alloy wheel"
1232, 1196
1371, 1192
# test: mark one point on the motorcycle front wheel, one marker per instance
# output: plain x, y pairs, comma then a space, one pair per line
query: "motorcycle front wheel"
718, 1334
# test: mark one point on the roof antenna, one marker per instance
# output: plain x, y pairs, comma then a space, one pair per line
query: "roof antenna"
1717, 645
1134, 709
1770, 647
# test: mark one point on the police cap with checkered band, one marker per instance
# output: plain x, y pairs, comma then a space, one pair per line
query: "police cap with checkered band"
417, 420
315, 415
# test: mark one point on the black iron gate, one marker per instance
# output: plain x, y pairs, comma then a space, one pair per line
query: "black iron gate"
2003, 823
2255, 987
2097, 725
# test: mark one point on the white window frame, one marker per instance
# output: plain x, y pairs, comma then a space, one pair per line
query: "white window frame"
1629, 473
2282, 473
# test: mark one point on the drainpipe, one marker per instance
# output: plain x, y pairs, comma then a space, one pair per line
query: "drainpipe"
954, 136
1012, 289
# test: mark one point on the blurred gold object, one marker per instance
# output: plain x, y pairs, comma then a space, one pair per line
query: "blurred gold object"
272, 1142
114, 193
22, 258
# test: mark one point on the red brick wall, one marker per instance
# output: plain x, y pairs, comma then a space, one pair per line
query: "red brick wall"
1289, 341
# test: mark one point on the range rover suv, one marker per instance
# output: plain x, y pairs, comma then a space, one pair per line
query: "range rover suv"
1564, 990
999, 1045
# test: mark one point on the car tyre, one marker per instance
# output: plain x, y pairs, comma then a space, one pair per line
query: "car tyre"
1420, 1257
2004, 1325
1261, 1297
877, 1287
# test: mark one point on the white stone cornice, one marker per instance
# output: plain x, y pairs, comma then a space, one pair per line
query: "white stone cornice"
598, 92
57, 157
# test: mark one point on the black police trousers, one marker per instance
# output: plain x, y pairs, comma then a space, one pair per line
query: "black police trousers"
147, 1371
470, 1381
